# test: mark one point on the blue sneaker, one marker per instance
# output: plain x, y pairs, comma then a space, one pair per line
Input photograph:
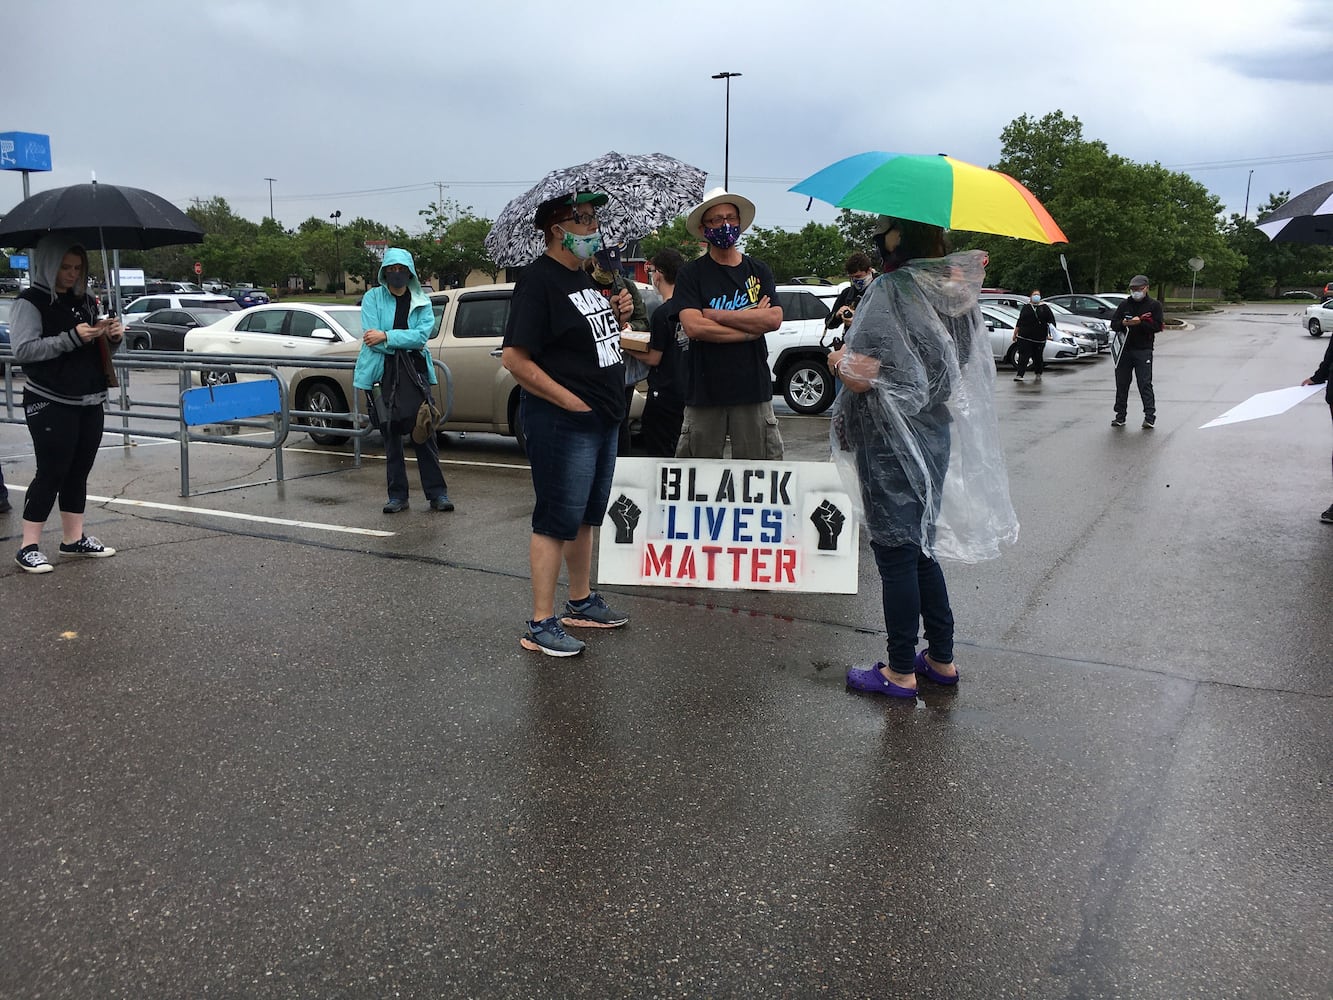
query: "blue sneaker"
592, 612
546, 636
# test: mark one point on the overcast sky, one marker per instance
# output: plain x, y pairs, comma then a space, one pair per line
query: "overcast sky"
364, 107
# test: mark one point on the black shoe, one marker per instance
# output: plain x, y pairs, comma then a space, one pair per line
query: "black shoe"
1148, 423
5, 506
395, 506
1327, 516
1117, 421
442, 503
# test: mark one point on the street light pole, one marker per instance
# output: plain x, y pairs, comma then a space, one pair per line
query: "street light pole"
726, 132
337, 249
1247, 194
270, 197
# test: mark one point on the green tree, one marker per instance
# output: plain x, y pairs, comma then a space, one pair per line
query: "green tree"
857, 230
819, 248
673, 235
454, 244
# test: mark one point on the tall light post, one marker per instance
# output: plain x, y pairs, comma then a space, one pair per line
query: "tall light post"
337, 249
1247, 194
726, 132
271, 181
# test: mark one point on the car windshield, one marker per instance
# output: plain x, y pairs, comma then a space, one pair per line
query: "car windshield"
347, 317
206, 317
1058, 309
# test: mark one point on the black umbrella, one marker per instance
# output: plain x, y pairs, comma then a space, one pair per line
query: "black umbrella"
101, 217
1307, 218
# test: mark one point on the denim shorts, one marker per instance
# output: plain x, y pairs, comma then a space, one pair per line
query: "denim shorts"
573, 456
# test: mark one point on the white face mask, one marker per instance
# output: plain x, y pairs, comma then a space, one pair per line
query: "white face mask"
1137, 294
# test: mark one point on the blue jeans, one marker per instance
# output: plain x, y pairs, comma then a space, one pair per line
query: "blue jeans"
914, 592
572, 456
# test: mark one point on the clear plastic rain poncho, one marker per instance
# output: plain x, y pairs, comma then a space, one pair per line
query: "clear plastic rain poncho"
921, 447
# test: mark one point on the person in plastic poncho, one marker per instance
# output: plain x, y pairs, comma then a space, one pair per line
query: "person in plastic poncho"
917, 432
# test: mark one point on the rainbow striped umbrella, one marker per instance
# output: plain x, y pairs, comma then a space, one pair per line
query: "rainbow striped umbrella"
938, 190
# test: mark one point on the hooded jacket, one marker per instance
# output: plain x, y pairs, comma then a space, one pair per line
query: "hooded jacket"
57, 363
378, 308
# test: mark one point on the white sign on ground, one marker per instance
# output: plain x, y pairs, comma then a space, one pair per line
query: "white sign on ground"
729, 525
1265, 404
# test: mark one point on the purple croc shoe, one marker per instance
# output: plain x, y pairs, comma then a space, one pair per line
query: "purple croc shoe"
923, 667
871, 681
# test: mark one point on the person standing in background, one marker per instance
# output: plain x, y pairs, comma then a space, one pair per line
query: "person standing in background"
64, 350
664, 411
1321, 377
1139, 319
1030, 335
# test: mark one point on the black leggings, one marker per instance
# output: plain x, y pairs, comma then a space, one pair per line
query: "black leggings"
65, 440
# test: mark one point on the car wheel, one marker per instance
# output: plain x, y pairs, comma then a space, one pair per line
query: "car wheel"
323, 397
1315, 329
139, 343
211, 376
807, 386
1010, 355
515, 425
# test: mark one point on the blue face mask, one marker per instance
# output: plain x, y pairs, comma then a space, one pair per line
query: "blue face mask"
1036, 299
581, 247
723, 237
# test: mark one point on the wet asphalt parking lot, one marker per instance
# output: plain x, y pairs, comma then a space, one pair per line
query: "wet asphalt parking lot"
283, 757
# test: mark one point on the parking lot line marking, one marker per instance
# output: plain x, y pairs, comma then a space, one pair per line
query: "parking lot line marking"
232, 515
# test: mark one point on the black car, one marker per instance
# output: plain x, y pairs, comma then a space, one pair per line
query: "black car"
165, 329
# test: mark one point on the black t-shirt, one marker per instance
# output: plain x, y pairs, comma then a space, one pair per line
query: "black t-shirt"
671, 376
562, 319
402, 307
726, 374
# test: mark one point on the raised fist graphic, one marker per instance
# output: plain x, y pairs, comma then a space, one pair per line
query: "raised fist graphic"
625, 515
828, 521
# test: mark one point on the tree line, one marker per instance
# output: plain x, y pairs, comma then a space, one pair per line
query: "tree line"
1122, 218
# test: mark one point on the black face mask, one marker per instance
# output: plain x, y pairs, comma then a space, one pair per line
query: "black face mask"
396, 279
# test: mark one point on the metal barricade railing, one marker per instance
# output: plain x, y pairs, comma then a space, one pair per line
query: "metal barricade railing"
351, 424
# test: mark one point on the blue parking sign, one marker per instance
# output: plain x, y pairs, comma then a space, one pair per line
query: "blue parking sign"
18, 262
25, 151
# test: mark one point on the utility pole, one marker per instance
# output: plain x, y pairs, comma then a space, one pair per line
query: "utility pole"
726, 132
271, 180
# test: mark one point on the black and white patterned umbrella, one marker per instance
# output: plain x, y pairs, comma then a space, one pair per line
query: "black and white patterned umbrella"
646, 191
1306, 218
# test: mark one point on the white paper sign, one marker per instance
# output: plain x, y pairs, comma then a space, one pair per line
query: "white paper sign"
1265, 404
729, 525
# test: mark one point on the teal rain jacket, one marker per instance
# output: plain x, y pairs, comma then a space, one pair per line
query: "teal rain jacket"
377, 311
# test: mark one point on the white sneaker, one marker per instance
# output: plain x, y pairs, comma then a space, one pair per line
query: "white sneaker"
32, 561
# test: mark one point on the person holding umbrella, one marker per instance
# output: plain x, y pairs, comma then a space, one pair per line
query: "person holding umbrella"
59, 340
1321, 377
562, 345
917, 431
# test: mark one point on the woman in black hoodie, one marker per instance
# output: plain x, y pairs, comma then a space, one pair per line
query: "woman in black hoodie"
64, 350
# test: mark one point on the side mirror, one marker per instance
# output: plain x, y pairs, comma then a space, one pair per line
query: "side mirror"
990, 324
322, 333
